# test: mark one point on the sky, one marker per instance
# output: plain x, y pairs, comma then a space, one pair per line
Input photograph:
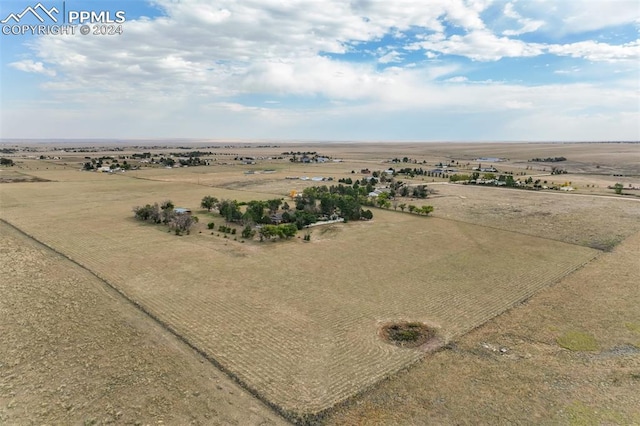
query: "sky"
334, 70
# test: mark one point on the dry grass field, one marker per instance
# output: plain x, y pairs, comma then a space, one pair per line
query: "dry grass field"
593, 221
73, 353
512, 370
298, 323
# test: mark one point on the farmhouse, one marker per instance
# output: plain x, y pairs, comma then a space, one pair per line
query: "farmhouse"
379, 191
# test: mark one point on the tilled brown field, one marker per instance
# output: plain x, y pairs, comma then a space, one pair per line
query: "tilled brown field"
75, 352
296, 322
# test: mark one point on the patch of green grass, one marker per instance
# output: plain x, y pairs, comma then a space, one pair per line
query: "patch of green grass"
633, 326
578, 341
605, 244
581, 414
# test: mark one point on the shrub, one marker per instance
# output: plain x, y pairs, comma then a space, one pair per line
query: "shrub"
210, 225
407, 334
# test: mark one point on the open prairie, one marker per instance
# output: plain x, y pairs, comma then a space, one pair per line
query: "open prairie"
297, 323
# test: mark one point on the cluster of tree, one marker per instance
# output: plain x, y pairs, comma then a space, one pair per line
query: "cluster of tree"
425, 210
141, 155
418, 191
191, 154
284, 230
6, 162
300, 153
256, 211
507, 179
404, 160
306, 157
411, 172
472, 178
7, 150
96, 164
191, 161
396, 187
337, 201
548, 159
167, 162
165, 213
558, 171
314, 204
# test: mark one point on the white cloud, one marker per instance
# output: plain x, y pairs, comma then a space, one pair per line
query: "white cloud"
578, 16
526, 25
193, 64
589, 15
481, 45
390, 57
28, 65
457, 79
594, 51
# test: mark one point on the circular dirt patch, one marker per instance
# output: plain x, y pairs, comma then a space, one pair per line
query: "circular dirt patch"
407, 334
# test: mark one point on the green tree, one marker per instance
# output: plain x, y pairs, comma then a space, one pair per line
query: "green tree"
412, 208
289, 230
267, 231
274, 205
248, 232
230, 210
167, 207
402, 206
426, 210
255, 211
488, 176
150, 213
617, 188
208, 202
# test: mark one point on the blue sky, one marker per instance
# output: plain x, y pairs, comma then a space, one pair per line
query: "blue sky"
437, 70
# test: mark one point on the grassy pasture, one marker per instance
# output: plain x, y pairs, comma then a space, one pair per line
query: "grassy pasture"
598, 222
297, 322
